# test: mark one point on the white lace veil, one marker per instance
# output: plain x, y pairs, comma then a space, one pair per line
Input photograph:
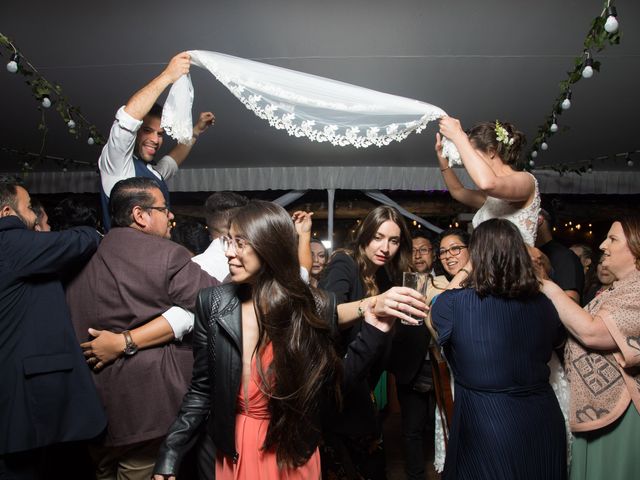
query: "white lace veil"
305, 105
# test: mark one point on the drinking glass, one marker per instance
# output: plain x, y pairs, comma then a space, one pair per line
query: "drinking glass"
419, 282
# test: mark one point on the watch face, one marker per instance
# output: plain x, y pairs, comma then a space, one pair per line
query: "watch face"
130, 350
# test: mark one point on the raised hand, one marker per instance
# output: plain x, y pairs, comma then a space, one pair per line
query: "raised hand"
444, 163
177, 66
302, 221
451, 128
205, 120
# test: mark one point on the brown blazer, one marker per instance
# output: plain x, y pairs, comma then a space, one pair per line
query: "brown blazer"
131, 279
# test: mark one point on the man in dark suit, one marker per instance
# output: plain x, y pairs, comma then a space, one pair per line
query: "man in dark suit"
141, 371
411, 366
47, 396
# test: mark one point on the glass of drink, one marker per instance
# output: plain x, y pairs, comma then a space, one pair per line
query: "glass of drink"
419, 282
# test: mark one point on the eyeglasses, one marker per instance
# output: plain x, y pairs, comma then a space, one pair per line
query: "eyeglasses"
238, 244
455, 251
164, 210
422, 251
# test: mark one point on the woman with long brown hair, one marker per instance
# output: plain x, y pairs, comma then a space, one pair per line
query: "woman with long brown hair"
266, 371
372, 265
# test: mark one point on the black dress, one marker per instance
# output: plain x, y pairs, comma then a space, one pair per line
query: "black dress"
352, 438
507, 423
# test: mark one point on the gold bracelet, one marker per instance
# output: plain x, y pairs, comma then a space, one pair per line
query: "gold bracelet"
360, 309
442, 170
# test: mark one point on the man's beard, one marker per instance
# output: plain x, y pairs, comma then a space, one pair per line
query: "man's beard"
26, 222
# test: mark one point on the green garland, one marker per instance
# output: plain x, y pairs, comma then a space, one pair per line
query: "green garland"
40, 87
596, 40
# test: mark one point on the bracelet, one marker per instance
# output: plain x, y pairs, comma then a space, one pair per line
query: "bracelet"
442, 170
465, 271
360, 309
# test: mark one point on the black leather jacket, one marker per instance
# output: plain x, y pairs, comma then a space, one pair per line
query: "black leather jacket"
217, 374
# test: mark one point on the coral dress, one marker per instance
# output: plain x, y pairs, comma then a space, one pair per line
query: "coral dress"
252, 422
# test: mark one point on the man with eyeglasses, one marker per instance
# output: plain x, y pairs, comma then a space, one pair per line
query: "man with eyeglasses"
116, 305
411, 367
422, 254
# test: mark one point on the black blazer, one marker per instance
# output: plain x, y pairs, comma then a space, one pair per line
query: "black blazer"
217, 374
47, 394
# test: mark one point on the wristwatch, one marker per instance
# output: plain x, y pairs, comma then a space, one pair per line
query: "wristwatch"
130, 347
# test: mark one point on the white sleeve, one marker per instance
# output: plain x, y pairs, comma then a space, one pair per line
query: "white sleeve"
181, 321
304, 274
166, 166
115, 162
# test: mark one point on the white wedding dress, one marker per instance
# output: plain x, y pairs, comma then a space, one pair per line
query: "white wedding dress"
526, 219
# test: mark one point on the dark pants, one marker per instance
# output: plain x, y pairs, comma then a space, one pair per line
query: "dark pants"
205, 451
66, 460
344, 458
418, 410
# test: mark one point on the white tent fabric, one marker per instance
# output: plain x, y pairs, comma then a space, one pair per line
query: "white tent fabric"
385, 200
335, 177
320, 109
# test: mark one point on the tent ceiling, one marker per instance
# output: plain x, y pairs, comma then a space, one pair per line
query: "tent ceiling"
477, 60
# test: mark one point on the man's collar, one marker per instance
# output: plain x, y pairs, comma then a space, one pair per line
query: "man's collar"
11, 222
152, 162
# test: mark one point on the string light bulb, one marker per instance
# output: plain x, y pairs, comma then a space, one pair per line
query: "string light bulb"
611, 24
587, 71
566, 103
71, 124
544, 146
12, 66
553, 128
90, 141
629, 160
532, 163
534, 154
46, 101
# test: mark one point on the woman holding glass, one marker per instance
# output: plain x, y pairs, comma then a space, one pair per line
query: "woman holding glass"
380, 253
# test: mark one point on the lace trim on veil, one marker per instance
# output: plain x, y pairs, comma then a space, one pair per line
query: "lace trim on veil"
320, 109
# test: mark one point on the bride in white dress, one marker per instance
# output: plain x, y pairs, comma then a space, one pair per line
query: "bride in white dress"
489, 152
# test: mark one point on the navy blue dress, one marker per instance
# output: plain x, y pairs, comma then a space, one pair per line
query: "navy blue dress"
507, 423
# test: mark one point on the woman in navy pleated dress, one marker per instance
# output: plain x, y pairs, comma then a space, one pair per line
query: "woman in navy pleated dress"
498, 334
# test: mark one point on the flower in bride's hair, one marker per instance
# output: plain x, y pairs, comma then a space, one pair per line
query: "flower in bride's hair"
502, 135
